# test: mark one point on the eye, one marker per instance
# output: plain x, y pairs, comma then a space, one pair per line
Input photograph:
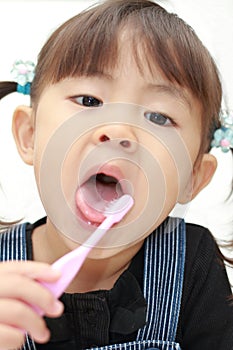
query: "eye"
158, 118
88, 101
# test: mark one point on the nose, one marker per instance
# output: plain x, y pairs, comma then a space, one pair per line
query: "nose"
122, 135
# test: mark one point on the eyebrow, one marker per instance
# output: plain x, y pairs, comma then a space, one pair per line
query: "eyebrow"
100, 74
172, 91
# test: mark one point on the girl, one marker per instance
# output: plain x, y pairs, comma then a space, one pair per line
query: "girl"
111, 114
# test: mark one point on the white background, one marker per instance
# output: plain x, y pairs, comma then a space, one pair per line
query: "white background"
24, 27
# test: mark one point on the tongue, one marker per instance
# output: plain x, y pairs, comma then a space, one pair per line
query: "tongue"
93, 197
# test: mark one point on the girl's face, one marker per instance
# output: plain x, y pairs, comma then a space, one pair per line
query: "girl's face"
113, 133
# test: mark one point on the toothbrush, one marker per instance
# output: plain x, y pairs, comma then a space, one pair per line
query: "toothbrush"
70, 263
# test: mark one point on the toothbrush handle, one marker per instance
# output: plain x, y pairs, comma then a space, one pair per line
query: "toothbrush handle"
99, 232
70, 264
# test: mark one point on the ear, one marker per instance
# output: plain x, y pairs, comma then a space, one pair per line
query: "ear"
203, 172
23, 131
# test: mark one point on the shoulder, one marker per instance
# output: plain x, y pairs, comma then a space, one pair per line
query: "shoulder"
199, 238
202, 251
200, 232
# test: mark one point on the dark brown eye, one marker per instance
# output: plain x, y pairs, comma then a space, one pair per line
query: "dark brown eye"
88, 101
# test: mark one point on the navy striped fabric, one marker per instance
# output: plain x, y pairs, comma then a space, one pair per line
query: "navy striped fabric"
163, 281
13, 243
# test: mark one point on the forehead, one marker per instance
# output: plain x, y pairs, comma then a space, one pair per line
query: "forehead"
131, 58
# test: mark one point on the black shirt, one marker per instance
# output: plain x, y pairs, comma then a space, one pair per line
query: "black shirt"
106, 317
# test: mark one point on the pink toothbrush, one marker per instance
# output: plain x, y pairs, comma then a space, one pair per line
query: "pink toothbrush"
70, 264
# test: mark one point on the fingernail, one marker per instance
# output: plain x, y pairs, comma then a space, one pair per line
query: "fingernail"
44, 336
57, 307
54, 272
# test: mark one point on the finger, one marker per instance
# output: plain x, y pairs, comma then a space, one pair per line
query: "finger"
30, 292
35, 270
10, 337
16, 314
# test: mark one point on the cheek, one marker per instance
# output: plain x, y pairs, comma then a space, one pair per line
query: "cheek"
47, 122
172, 170
192, 137
69, 172
171, 175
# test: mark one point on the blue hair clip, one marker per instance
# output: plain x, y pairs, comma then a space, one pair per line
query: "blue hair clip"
23, 74
223, 137
24, 89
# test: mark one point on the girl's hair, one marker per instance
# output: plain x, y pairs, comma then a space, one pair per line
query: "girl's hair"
88, 43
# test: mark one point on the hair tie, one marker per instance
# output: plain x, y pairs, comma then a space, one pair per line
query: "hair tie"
223, 137
23, 74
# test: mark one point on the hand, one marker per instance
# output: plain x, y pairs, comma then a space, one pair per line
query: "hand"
18, 292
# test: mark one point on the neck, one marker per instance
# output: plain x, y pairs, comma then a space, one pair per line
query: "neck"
98, 274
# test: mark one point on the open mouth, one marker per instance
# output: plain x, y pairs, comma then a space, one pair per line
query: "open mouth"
93, 196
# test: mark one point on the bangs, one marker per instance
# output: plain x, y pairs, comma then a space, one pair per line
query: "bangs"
88, 44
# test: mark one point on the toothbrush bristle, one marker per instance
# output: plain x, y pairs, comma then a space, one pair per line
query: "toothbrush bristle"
124, 203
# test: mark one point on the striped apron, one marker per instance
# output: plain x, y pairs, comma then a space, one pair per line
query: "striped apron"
163, 281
